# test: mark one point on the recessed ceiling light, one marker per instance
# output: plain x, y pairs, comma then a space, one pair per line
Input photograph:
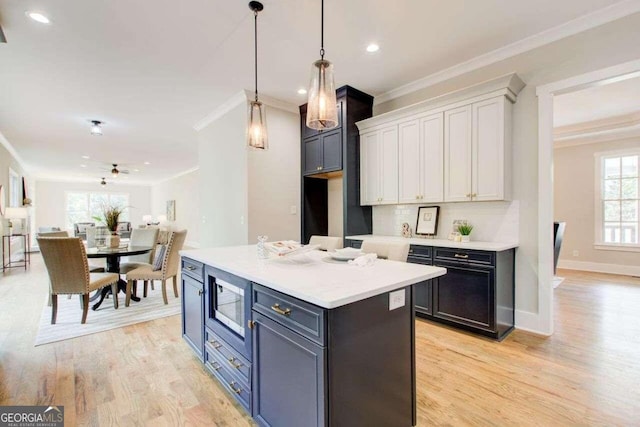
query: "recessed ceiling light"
83, 166
85, 157
38, 17
373, 48
136, 170
302, 91
147, 163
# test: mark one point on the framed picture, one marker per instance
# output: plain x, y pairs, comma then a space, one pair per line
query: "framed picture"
427, 220
171, 210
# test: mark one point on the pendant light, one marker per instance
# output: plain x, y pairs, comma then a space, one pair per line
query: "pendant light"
103, 182
257, 126
115, 172
96, 127
322, 112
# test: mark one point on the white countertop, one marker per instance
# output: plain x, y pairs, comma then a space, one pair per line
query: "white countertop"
309, 278
483, 246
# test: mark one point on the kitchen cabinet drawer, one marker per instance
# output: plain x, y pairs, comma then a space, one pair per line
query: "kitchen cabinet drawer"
228, 356
464, 256
234, 385
420, 254
306, 319
349, 243
193, 268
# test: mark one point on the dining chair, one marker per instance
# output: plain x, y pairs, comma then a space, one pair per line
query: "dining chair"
327, 243
168, 270
140, 237
394, 251
92, 267
66, 261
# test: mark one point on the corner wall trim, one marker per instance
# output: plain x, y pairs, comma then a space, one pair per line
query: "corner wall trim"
575, 26
599, 267
6, 144
530, 322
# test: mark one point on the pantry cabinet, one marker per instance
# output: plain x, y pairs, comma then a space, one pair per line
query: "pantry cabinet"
453, 148
379, 166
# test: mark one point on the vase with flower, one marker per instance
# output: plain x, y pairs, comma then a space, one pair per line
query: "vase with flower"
110, 217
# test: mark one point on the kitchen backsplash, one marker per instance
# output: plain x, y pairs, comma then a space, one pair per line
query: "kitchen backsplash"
492, 221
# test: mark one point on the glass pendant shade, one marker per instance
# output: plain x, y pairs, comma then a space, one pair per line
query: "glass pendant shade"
322, 111
257, 126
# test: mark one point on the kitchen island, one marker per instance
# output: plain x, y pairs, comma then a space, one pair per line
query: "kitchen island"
306, 340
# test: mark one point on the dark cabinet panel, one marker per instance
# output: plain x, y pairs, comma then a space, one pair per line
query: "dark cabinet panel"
465, 295
289, 380
332, 151
423, 297
353, 243
312, 155
193, 314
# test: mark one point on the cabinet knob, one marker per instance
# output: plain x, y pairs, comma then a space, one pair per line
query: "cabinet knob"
474, 195
417, 197
233, 385
319, 168
232, 362
200, 292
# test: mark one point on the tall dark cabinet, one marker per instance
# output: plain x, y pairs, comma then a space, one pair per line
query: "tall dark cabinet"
331, 154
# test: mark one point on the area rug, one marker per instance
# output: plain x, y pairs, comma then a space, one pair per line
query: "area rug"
105, 318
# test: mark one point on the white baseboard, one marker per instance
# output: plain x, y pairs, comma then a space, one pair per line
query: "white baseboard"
528, 321
627, 270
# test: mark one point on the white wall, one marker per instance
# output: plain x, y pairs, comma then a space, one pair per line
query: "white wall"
574, 202
604, 46
335, 207
274, 180
184, 189
50, 202
8, 161
223, 188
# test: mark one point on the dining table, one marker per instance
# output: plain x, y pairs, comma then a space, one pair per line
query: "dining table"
113, 256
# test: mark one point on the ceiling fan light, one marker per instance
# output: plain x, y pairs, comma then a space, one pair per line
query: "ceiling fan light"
96, 127
321, 106
115, 172
257, 126
103, 182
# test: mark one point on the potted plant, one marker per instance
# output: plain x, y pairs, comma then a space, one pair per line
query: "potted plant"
465, 231
110, 217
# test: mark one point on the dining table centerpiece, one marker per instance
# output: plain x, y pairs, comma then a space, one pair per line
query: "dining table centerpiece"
110, 217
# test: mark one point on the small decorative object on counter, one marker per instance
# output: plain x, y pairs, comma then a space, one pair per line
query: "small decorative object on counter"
406, 230
455, 234
465, 231
262, 251
427, 224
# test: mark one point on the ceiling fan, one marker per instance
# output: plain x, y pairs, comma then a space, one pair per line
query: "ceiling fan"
115, 171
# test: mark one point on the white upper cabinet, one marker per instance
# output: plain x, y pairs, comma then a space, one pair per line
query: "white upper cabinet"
453, 148
420, 149
379, 167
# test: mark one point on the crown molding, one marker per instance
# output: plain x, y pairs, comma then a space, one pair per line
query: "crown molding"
604, 130
575, 26
178, 175
242, 97
6, 144
508, 85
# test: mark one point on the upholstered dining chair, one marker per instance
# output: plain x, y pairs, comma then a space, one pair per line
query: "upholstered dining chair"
92, 267
394, 251
66, 262
327, 243
168, 269
140, 237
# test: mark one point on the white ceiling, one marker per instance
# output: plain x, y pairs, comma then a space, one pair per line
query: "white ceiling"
596, 103
151, 69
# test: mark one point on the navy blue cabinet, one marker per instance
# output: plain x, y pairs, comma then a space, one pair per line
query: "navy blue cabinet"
193, 306
289, 376
323, 153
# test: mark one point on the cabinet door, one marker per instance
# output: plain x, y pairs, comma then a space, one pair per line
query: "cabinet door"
289, 377
389, 165
422, 297
457, 154
488, 149
432, 158
409, 165
369, 174
193, 314
312, 155
465, 295
332, 151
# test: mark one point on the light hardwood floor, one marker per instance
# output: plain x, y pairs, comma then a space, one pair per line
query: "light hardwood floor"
585, 374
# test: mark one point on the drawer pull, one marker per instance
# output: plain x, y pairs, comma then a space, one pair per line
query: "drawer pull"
215, 344
200, 292
277, 309
190, 267
461, 256
215, 366
232, 384
232, 362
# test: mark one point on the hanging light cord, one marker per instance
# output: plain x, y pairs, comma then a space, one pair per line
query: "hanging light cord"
255, 39
322, 29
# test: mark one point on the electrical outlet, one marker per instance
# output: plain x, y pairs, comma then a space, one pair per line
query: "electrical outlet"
576, 253
396, 299
242, 220
293, 210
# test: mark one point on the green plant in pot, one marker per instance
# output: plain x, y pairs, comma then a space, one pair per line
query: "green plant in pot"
110, 217
465, 231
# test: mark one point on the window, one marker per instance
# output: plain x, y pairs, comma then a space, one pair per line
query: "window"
84, 206
15, 189
617, 220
